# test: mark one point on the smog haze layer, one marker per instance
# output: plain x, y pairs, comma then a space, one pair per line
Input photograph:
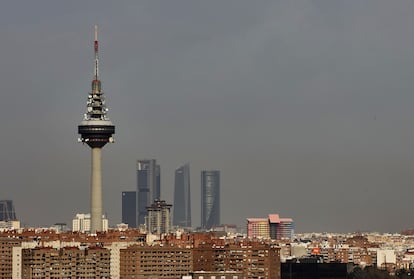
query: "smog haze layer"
306, 107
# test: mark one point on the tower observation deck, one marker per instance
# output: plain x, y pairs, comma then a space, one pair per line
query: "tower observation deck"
96, 130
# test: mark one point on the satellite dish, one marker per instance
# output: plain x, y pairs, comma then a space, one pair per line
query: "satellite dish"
89, 109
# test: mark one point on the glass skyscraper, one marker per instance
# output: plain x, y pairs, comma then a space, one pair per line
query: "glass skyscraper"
182, 196
7, 212
148, 187
210, 199
129, 207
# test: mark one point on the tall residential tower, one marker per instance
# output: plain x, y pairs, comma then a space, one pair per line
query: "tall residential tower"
182, 203
96, 130
210, 199
159, 217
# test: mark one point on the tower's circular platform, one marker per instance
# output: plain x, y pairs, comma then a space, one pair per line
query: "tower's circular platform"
96, 133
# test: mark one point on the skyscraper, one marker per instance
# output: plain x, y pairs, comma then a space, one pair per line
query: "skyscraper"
148, 187
8, 218
96, 130
129, 206
7, 212
182, 202
210, 199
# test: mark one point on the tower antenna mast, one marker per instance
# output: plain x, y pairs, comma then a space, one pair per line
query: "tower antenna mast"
96, 49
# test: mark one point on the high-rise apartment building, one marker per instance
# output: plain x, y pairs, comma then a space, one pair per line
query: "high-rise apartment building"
129, 207
280, 228
159, 217
148, 187
272, 227
182, 197
257, 228
286, 229
210, 199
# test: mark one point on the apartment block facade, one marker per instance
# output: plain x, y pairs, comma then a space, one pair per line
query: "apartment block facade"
68, 262
252, 259
155, 262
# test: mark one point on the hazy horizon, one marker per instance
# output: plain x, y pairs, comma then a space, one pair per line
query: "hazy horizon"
304, 106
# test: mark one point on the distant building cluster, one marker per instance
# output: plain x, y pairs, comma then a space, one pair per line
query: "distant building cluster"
264, 252
384, 251
131, 254
137, 206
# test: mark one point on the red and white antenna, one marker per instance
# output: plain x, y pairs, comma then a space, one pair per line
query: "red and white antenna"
96, 54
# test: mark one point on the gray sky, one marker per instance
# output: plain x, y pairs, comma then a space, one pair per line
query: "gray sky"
305, 106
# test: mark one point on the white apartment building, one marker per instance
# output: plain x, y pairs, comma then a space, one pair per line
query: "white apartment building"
82, 223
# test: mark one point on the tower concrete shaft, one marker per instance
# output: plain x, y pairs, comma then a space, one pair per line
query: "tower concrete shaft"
96, 190
96, 131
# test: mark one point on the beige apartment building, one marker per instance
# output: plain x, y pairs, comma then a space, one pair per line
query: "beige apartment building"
251, 259
68, 262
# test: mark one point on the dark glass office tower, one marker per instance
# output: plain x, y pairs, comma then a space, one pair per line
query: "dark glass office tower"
148, 187
129, 207
157, 190
182, 203
7, 212
210, 199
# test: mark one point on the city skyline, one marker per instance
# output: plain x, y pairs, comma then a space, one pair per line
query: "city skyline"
305, 107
